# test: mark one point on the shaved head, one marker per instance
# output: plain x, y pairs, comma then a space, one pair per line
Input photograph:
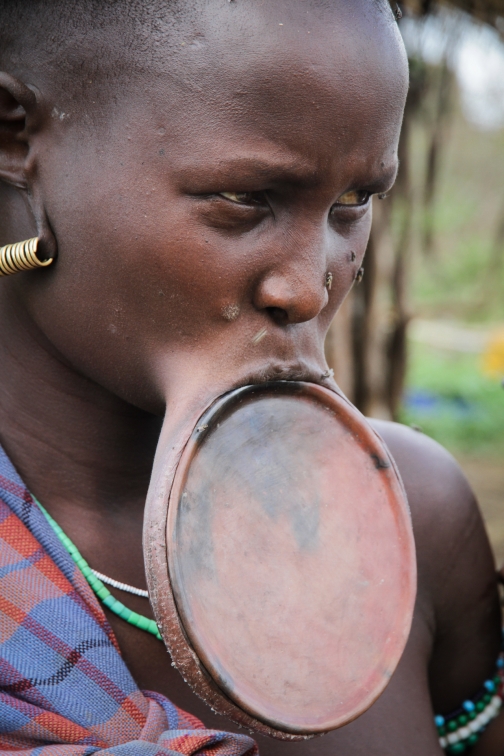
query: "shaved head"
58, 39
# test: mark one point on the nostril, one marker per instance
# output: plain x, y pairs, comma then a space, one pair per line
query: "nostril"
278, 315
291, 298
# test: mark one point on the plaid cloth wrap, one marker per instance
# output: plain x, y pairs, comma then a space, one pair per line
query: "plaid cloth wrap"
64, 687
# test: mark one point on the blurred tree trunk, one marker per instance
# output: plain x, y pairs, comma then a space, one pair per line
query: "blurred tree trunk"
495, 262
495, 265
400, 311
437, 141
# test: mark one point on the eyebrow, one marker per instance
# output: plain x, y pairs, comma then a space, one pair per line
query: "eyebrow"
285, 169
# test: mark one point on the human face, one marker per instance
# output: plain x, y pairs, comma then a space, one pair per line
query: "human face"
198, 216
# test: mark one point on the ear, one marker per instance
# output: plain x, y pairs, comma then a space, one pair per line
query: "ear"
17, 101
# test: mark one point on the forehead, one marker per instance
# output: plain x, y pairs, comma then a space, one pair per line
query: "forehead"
255, 52
310, 79
291, 74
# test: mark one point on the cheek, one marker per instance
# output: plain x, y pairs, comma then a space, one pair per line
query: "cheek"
131, 250
132, 277
347, 257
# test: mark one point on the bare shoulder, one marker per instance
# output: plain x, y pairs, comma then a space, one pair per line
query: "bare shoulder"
456, 574
446, 517
443, 507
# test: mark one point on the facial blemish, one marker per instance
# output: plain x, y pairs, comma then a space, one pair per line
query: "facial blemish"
259, 336
198, 41
352, 256
59, 114
230, 312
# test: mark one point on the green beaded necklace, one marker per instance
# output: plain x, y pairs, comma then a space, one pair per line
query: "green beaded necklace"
98, 588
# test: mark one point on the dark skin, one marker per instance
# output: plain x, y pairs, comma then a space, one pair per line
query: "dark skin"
195, 212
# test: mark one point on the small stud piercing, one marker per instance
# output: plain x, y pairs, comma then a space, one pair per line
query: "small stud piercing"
328, 280
15, 258
398, 13
360, 275
328, 374
383, 196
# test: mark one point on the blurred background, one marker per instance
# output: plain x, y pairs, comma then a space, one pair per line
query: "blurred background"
421, 338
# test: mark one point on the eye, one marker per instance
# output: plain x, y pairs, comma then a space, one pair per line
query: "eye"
355, 198
244, 198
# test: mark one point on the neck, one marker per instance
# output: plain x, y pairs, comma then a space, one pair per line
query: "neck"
75, 445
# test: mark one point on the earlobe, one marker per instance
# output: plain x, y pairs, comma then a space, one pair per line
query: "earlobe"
16, 102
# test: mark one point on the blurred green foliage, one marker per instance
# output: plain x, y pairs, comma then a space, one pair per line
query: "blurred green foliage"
452, 401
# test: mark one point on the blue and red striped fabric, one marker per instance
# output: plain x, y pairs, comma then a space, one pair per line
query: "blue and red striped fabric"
64, 687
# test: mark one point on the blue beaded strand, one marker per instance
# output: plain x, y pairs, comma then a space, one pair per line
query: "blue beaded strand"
461, 730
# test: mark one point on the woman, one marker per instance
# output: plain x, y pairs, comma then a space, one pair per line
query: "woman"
195, 172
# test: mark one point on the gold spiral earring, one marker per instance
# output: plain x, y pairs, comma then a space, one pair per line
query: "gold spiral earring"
21, 256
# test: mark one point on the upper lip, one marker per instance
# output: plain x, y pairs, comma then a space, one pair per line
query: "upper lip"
280, 371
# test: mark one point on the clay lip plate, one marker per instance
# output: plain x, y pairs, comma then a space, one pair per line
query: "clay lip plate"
291, 559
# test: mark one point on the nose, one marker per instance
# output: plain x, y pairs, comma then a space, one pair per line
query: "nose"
291, 301
295, 291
